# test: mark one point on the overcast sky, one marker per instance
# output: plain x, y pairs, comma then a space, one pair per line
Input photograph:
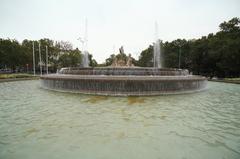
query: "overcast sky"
112, 23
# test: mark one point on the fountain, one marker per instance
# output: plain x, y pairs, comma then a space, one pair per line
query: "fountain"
156, 49
85, 59
124, 79
157, 53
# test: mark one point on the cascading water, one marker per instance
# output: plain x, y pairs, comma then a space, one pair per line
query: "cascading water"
157, 53
85, 59
124, 81
156, 49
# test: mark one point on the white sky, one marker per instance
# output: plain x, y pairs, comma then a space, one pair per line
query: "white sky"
113, 23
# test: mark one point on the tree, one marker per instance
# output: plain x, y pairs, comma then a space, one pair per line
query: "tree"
213, 55
12, 56
92, 62
109, 60
230, 26
146, 57
70, 59
60, 54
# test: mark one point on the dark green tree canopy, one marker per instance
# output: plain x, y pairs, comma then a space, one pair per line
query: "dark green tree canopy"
230, 26
213, 55
15, 55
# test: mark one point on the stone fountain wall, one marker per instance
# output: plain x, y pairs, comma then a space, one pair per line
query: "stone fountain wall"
124, 85
125, 71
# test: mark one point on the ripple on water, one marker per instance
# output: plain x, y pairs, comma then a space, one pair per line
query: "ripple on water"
135, 100
199, 125
96, 99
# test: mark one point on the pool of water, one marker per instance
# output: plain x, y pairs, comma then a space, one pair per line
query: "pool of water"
37, 123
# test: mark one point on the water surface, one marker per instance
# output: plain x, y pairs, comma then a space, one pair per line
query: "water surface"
37, 123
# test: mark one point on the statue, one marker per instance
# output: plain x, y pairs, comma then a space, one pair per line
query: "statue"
129, 61
121, 61
121, 50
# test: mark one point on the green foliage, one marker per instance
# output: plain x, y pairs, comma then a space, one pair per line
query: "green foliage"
92, 62
230, 26
213, 55
16, 56
9, 51
72, 58
109, 60
146, 57
15, 75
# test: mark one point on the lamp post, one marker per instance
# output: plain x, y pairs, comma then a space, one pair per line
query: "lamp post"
34, 71
27, 67
47, 59
40, 59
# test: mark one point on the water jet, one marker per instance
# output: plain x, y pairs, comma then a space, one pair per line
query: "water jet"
124, 79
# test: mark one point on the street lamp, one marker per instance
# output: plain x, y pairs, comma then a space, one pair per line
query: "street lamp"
47, 59
34, 71
40, 59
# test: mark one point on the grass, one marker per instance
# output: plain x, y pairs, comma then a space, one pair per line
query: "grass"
15, 75
232, 79
229, 80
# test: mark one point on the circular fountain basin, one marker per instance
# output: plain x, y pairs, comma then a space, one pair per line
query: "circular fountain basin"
125, 71
124, 81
